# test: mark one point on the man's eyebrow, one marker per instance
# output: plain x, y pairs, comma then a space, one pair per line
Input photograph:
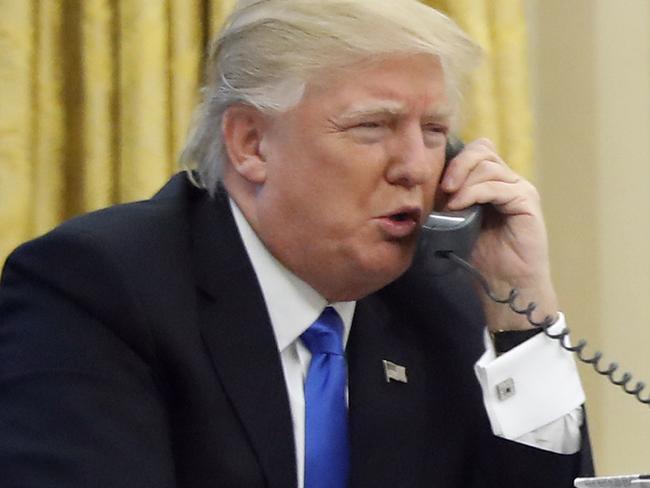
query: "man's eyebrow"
442, 113
360, 111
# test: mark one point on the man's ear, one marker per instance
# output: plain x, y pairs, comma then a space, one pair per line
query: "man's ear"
243, 128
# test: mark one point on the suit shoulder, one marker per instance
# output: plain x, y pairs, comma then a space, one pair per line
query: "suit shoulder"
137, 223
105, 262
130, 238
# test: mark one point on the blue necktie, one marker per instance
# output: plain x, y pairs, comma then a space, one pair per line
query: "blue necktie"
327, 450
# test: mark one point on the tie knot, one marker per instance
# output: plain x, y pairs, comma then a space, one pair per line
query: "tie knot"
325, 335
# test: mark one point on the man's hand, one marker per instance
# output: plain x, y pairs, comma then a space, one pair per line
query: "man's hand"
512, 250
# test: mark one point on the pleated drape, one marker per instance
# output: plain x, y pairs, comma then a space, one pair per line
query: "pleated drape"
17, 117
96, 98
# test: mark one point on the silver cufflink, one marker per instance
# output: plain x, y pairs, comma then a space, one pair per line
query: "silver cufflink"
506, 389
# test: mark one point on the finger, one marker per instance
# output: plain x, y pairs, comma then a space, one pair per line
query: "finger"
490, 171
507, 198
485, 142
469, 158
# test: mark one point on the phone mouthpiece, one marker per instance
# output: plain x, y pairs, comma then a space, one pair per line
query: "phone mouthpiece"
447, 232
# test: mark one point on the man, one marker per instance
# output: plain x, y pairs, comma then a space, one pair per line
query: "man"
166, 343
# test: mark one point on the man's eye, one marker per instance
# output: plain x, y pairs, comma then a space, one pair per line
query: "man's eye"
436, 129
369, 125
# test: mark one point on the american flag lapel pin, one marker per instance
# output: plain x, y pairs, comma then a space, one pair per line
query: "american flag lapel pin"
394, 372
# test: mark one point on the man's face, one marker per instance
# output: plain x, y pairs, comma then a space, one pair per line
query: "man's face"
351, 173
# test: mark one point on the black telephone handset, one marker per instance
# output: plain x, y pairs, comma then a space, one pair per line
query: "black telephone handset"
444, 232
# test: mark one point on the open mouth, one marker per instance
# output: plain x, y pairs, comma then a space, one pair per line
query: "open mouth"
400, 224
405, 216
400, 217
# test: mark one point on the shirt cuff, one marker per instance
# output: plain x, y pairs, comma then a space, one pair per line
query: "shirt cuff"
530, 386
561, 436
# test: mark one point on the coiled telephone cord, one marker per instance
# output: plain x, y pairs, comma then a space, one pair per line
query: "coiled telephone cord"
625, 381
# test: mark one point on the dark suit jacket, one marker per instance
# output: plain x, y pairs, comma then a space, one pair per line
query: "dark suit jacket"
136, 351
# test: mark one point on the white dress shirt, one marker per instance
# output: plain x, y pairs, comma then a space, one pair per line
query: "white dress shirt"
543, 410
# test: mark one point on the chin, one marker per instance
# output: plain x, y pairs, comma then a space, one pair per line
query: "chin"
385, 270
368, 270
396, 259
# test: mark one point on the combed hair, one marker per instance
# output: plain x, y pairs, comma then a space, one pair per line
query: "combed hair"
268, 50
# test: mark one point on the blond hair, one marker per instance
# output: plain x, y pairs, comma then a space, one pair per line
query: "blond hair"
268, 50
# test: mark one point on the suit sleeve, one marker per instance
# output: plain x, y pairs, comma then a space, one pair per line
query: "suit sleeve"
509, 464
80, 404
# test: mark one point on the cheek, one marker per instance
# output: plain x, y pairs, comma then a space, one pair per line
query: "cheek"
358, 177
342, 182
328, 180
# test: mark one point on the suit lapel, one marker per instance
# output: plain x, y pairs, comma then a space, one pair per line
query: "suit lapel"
237, 332
388, 421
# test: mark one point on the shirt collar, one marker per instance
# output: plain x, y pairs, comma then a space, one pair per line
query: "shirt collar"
292, 304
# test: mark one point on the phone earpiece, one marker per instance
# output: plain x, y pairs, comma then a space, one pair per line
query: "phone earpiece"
453, 147
448, 231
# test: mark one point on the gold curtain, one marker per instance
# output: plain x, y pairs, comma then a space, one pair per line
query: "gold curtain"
96, 98
497, 101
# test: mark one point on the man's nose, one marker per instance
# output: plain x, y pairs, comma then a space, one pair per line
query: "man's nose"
412, 163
